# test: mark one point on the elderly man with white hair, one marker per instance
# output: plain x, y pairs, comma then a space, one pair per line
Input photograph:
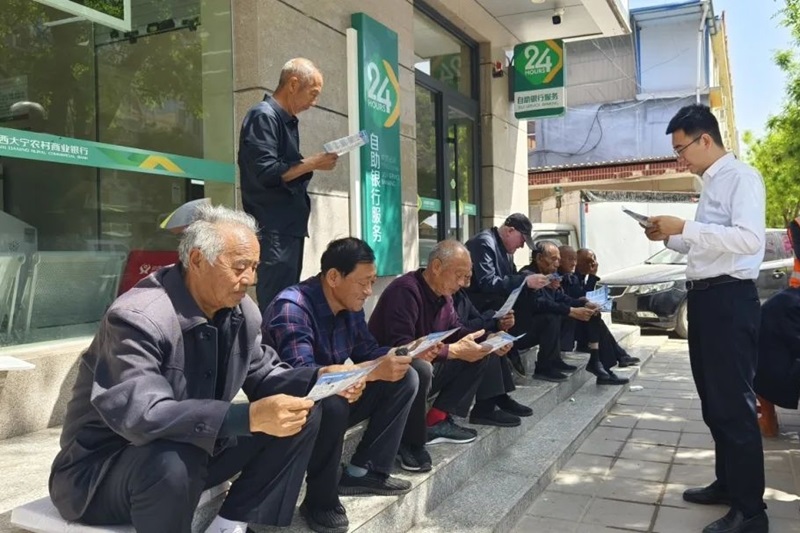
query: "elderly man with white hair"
151, 422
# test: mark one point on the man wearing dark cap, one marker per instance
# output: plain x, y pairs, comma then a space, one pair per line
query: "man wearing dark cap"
494, 274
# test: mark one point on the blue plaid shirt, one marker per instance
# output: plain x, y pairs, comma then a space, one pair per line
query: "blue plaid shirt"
301, 327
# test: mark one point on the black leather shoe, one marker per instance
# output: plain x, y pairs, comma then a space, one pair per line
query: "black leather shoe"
516, 363
563, 366
595, 367
611, 379
509, 405
495, 418
735, 522
711, 495
627, 360
549, 375
325, 520
372, 483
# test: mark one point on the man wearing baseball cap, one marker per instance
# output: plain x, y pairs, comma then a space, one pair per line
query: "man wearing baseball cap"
494, 274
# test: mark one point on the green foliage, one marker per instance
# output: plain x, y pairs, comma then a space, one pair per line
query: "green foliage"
777, 154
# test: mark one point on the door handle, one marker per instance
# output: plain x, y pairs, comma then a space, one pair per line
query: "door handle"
778, 274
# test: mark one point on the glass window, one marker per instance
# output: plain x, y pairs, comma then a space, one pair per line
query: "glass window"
441, 55
429, 202
461, 166
71, 235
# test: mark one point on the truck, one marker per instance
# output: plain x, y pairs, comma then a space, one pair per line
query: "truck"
595, 219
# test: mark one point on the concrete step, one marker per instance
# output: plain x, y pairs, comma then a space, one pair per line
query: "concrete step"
26, 461
495, 497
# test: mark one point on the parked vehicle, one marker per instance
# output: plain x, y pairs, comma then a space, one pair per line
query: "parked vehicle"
653, 294
594, 219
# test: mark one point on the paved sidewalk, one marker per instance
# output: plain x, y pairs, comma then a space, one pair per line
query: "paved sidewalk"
632, 469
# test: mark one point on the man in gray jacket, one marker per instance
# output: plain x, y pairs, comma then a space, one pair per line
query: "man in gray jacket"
151, 425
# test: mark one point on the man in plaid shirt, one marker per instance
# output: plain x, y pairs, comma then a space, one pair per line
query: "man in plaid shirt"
320, 322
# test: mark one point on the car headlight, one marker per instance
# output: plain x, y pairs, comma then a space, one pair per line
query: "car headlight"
650, 288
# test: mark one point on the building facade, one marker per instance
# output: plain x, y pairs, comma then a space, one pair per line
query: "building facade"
622, 92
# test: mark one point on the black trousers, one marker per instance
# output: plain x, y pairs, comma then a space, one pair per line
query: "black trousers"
497, 378
545, 330
156, 487
386, 405
723, 349
281, 263
568, 333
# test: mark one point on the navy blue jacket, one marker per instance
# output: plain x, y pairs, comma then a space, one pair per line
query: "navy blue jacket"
778, 374
269, 145
494, 274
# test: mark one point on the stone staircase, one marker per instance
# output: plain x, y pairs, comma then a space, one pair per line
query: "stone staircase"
481, 486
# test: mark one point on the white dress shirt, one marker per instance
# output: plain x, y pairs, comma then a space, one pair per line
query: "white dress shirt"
728, 232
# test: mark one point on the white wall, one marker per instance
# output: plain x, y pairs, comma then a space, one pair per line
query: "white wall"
668, 55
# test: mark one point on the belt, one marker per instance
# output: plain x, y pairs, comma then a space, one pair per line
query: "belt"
704, 284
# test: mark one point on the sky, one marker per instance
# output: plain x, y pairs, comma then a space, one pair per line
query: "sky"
754, 35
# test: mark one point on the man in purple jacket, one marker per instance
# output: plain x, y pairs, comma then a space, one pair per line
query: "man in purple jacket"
417, 304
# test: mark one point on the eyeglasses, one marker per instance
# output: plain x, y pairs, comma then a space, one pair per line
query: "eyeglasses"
679, 151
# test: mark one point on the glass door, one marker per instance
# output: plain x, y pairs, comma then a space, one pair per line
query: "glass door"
461, 171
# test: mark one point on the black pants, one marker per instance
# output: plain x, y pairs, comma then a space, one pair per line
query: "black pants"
723, 349
568, 333
156, 487
455, 382
280, 267
497, 378
387, 405
545, 330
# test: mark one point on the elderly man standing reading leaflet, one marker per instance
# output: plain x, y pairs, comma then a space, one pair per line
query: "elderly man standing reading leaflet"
724, 247
275, 176
150, 424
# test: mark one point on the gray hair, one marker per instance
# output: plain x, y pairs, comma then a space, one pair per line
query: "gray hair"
299, 67
446, 250
205, 234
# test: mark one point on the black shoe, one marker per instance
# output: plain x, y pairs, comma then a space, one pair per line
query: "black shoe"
372, 483
611, 379
509, 405
517, 364
563, 366
549, 375
594, 366
627, 360
711, 495
414, 458
497, 417
735, 522
325, 520
449, 431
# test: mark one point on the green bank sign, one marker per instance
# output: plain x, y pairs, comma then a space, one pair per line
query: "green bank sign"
43, 147
539, 80
379, 112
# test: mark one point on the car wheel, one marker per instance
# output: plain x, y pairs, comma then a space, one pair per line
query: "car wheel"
682, 321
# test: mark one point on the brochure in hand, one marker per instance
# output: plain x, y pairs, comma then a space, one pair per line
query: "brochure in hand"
600, 297
641, 219
336, 382
346, 144
512, 299
430, 340
501, 339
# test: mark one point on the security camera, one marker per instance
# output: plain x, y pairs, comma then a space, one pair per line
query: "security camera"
557, 14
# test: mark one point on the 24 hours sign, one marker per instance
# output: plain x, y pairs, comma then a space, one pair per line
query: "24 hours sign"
379, 114
539, 80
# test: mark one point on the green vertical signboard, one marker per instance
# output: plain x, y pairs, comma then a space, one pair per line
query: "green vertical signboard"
379, 111
539, 80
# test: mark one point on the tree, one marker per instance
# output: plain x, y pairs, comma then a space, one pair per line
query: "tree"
777, 154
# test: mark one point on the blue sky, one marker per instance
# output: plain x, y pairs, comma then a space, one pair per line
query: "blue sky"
754, 34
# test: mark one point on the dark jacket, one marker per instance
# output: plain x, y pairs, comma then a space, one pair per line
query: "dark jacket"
269, 145
494, 274
470, 316
572, 285
546, 300
408, 309
150, 374
778, 375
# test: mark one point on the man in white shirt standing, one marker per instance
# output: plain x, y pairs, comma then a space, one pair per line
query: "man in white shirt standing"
725, 246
